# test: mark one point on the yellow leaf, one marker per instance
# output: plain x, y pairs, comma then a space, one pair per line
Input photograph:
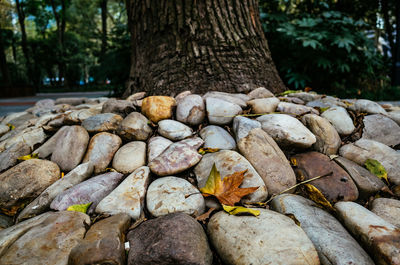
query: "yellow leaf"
324, 109
203, 151
377, 169
62, 174
27, 157
287, 92
12, 127
236, 210
316, 196
79, 207
293, 161
109, 169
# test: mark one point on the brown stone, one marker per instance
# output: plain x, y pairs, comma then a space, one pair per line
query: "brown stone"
134, 127
158, 108
120, 107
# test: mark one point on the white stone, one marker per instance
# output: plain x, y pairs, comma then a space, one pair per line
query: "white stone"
395, 115
174, 130
260, 92
156, 146
263, 105
368, 106
221, 112
381, 129
3, 129
238, 99
340, 119
191, 110
242, 126
217, 137
295, 109
130, 157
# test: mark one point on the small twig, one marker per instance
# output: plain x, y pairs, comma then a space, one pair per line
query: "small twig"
188, 195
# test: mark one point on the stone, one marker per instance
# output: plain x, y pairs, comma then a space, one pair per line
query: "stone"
92, 190
171, 239
24, 182
268, 159
217, 137
328, 140
340, 119
78, 116
182, 95
286, 130
70, 148
130, 157
291, 100
43, 201
305, 96
263, 105
368, 106
221, 112
128, 197
367, 183
70, 101
191, 110
105, 122
103, 243
338, 186
378, 237
9, 157
394, 115
3, 129
174, 159
158, 108
101, 150
295, 109
43, 106
271, 238
260, 92
326, 102
49, 146
30, 136
387, 209
237, 99
120, 107
20, 120
156, 146
332, 241
174, 130
5, 221
228, 162
49, 242
171, 194
382, 129
242, 126
364, 149
135, 127
136, 96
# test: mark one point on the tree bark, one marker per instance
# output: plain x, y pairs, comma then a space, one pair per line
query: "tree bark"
24, 42
396, 50
103, 6
61, 23
3, 62
199, 46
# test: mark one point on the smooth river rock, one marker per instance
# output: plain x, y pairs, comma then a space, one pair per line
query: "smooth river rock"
260, 92
387, 209
173, 239
221, 112
380, 238
105, 122
135, 127
268, 159
120, 107
334, 244
129, 196
217, 137
242, 126
286, 130
368, 106
174, 130
158, 108
382, 129
295, 109
9, 157
340, 119
101, 150
130, 157
394, 115
270, 238
3, 129
171, 194
49, 146
156, 146
237, 99
191, 110
227, 163
24, 182
263, 105
305, 96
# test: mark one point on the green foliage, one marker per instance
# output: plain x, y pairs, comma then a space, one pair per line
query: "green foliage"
317, 46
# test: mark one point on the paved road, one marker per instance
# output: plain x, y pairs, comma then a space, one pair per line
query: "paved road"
9, 105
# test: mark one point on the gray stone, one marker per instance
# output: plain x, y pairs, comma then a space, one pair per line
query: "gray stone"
171, 194
286, 130
5, 221
70, 101
182, 95
174, 130
292, 100
394, 115
380, 238
295, 109
156, 146
49, 146
92, 190
105, 122
217, 137
221, 112
24, 182
101, 150
364, 149
130, 157
237, 99
43, 201
305, 96
120, 107
171, 239
260, 92
268, 159
242, 126
129, 196
328, 140
174, 159
271, 238
326, 102
228, 162
49, 241
21, 120
9, 157
263, 105
70, 147
334, 244
191, 110
30, 136
12, 116
103, 243
381, 129
79, 116
3, 129
387, 209
340, 119
368, 106
135, 127
367, 183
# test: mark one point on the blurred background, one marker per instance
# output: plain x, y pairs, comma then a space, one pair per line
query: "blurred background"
347, 48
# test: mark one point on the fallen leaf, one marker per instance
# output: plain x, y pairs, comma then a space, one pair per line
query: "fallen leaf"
377, 169
227, 191
203, 151
293, 161
27, 157
324, 109
109, 169
307, 89
12, 127
287, 92
205, 216
316, 196
79, 207
62, 174
237, 210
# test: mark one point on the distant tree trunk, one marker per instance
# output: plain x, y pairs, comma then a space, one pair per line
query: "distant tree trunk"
3, 62
396, 52
198, 46
24, 42
103, 6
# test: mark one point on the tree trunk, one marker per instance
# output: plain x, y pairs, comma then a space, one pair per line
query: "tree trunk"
396, 50
3, 62
103, 6
198, 46
24, 42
